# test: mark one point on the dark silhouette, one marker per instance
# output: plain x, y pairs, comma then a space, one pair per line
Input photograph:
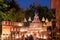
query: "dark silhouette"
30, 37
27, 37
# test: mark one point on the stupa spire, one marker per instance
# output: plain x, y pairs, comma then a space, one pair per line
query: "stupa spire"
36, 17
36, 3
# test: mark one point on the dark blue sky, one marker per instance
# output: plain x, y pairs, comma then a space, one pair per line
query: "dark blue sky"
26, 3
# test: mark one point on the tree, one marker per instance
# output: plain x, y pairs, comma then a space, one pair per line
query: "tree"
42, 11
9, 11
20, 16
29, 13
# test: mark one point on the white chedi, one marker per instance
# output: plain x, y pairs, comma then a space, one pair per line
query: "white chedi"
48, 23
29, 19
43, 19
25, 20
46, 20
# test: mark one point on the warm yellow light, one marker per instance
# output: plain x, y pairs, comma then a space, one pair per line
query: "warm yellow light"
37, 36
31, 33
20, 24
44, 24
22, 30
25, 36
28, 34
44, 37
20, 36
17, 37
41, 36
41, 30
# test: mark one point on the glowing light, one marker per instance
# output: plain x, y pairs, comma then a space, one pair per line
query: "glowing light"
20, 36
41, 30
44, 37
17, 37
25, 36
11, 29
28, 34
31, 33
22, 30
3, 36
44, 24
20, 24
41, 36
37, 36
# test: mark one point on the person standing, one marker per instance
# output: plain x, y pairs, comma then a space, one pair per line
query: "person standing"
31, 37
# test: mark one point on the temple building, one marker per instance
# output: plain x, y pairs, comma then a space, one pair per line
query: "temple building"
35, 27
36, 22
13, 30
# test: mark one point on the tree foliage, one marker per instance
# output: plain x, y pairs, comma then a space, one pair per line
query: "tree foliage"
42, 11
10, 10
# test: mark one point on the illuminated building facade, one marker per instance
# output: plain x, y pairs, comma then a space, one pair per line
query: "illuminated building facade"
15, 30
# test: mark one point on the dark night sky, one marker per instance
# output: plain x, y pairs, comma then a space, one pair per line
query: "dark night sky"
26, 3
